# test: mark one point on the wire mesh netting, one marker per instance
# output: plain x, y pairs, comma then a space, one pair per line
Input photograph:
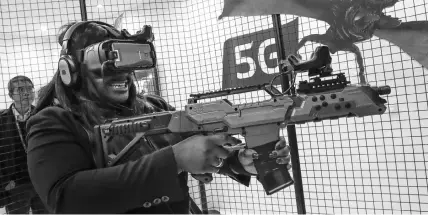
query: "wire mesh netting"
372, 164
28, 47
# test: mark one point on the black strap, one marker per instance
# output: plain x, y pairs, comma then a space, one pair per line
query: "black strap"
20, 135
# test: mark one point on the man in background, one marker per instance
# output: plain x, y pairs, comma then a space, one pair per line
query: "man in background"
16, 191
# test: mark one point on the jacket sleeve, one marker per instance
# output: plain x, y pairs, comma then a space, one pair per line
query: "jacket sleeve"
64, 175
4, 178
232, 167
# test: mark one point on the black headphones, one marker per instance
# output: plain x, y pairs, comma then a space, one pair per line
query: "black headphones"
67, 64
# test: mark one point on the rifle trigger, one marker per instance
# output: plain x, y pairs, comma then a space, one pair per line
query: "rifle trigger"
234, 147
219, 130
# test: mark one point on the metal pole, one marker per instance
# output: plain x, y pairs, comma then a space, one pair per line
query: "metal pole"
83, 12
291, 129
201, 185
156, 80
204, 200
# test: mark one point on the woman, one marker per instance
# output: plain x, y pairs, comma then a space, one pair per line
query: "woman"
60, 154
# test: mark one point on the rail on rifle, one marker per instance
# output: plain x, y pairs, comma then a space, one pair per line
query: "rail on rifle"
231, 91
319, 71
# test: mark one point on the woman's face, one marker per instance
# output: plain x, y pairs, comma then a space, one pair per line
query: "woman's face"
114, 87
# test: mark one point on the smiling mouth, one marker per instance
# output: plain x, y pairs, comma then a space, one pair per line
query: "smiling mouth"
119, 85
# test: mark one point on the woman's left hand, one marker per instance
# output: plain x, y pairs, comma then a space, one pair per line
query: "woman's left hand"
245, 156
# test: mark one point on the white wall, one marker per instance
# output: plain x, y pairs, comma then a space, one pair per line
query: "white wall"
372, 164
28, 40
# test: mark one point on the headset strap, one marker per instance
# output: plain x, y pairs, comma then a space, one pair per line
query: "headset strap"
67, 36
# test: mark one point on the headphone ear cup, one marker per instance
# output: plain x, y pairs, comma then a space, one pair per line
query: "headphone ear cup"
67, 69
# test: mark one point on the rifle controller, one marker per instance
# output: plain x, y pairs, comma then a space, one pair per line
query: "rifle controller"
260, 122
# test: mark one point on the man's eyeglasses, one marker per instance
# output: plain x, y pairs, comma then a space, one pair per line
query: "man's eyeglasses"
22, 90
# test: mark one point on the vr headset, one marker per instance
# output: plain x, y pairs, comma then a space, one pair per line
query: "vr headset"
123, 53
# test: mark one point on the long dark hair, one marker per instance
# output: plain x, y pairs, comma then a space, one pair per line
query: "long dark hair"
84, 101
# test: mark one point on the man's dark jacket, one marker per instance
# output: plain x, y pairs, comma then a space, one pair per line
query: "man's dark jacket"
13, 159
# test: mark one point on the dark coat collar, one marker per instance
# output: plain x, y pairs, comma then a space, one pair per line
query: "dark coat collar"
9, 110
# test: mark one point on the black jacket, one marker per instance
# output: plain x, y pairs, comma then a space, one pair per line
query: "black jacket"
13, 160
64, 174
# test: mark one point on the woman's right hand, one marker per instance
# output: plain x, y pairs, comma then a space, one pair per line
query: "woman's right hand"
200, 154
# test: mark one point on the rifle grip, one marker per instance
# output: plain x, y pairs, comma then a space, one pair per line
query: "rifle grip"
204, 178
273, 176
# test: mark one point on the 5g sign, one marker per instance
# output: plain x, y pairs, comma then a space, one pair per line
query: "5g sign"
252, 58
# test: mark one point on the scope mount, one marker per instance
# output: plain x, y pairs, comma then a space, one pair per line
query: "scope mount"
319, 71
318, 68
318, 85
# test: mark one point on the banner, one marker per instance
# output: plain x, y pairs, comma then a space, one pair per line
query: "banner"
251, 59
